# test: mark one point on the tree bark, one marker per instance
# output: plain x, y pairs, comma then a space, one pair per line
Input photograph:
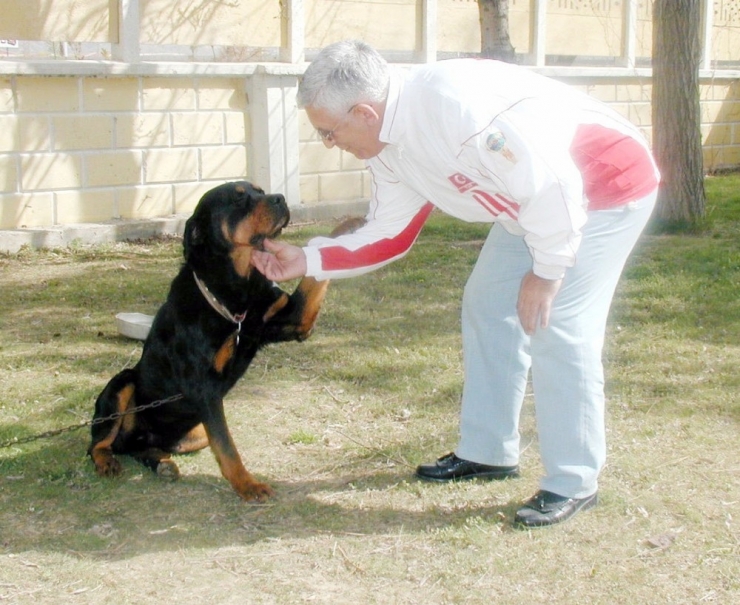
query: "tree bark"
676, 110
494, 29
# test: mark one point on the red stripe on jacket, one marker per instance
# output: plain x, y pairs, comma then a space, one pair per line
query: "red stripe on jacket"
336, 258
616, 168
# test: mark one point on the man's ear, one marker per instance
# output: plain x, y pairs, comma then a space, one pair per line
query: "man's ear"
366, 112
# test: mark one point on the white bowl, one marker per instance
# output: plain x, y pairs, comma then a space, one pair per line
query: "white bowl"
134, 325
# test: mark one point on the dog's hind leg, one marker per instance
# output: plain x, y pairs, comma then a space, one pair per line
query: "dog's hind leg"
159, 461
195, 440
116, 398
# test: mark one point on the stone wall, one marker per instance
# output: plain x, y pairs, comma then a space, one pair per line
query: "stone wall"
122, 132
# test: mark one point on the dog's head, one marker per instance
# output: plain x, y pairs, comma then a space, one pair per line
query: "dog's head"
231, 220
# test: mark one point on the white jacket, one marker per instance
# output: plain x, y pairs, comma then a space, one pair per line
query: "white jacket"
486, 141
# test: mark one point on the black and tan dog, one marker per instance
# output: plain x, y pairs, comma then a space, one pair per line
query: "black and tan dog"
219, 312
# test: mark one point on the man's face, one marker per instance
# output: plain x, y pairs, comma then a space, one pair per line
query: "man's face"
356, 131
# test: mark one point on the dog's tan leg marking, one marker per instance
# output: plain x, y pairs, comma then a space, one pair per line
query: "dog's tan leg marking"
313, 293
106, 464
195, 440
276, 307
233, 469
224, 354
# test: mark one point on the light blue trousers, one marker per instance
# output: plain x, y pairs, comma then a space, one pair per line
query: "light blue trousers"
564, 359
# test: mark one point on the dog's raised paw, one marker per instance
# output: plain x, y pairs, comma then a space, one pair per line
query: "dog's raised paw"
348, 225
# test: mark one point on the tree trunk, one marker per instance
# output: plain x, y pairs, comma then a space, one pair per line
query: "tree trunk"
494, 30
676, 109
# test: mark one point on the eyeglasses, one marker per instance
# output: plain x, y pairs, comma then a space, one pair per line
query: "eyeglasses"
328, 135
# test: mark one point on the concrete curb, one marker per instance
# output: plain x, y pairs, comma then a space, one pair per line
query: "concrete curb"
12, 240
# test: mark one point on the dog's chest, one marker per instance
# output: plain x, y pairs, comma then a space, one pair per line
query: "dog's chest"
235, 352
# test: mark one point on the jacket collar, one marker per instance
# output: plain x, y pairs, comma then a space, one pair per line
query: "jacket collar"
393, 127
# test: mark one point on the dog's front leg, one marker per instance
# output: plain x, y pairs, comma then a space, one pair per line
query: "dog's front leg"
298, 312
311, 292
310, 295
229, 461
292, 317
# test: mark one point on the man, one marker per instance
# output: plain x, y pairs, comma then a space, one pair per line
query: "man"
568, 185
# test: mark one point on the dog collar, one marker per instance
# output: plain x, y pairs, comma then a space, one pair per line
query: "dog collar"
218, 306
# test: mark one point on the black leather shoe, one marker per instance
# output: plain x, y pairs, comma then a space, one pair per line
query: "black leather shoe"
546, 508
452, 468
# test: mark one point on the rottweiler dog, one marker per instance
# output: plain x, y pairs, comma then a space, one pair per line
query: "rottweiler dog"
219, 312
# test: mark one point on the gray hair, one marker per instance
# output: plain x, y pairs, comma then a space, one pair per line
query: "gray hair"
342, 75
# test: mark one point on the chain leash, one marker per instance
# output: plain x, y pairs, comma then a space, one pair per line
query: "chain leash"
93, 422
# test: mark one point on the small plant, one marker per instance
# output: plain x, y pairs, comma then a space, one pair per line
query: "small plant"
301, 437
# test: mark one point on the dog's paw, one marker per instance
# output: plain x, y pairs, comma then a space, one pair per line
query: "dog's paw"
349, 225
167, 469
255, 491
107, 466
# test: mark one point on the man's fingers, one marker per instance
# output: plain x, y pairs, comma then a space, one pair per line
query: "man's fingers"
258, 260
279, 261
271, 246
528, 319
545, 317
263, 260
535, 302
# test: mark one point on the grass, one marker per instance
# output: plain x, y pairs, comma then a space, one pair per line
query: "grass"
338, 423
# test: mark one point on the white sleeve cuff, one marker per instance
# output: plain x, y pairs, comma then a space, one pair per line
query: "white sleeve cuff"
313, 261
548, 271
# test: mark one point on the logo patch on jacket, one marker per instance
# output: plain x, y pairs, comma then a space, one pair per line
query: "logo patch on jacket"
461, 182
496, 142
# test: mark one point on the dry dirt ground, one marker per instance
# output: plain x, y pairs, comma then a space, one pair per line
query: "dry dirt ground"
350, 525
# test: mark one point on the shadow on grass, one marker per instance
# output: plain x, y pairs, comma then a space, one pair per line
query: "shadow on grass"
140, 513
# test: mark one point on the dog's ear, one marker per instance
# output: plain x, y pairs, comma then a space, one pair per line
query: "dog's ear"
191, 238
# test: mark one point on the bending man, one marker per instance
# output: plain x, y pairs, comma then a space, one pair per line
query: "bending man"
568, 186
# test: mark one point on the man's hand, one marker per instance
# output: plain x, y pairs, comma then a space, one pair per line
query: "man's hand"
535, 301
280, 261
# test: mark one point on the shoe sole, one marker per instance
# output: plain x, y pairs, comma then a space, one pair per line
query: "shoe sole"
482, 476
590, 503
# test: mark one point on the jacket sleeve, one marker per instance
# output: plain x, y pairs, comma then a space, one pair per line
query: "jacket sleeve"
394, 221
